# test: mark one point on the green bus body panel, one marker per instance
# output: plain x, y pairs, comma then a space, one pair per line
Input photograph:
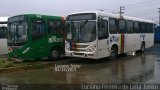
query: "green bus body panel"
42, 47
38, 49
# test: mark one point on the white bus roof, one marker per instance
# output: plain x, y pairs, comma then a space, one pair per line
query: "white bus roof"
101, 13
3, 19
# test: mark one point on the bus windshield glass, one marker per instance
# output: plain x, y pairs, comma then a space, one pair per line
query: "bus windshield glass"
17, 32
81, 32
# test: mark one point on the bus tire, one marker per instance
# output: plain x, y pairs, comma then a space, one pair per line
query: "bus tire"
142, 47
113, 54
55, 54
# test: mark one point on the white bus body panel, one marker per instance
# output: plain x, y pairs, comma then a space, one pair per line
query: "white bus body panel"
3, 46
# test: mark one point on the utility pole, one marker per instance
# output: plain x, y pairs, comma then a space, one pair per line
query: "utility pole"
159, 15
121, 10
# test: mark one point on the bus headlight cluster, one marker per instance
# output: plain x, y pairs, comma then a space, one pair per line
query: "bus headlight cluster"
67, 46
26, 50
91, 49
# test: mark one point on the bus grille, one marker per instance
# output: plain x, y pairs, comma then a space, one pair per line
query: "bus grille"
77, 47
79, 54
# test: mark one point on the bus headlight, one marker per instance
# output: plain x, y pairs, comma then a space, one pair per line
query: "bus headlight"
26, 50
91, 49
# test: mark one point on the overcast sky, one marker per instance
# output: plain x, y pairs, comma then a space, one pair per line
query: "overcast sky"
139, 8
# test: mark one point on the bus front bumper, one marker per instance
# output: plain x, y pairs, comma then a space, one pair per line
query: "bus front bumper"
91, 55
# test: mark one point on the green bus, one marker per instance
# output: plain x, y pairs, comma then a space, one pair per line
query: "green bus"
34, 36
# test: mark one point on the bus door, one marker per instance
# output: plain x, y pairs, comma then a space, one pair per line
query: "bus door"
38, 33
102, 37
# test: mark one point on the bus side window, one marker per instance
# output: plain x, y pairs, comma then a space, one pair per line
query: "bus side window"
122, 26
130, 26
103, 29
136, 27
38, 29
147, 27
150, 28
113, 26
142, 27
1, 32
55, 27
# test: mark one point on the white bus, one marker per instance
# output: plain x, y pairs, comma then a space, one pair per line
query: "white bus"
3, 27
3, 35
96, 35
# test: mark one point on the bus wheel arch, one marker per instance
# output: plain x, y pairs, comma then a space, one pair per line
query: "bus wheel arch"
114, 52
142, 49
55, 53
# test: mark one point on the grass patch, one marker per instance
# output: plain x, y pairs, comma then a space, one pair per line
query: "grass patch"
4, 63
7, 63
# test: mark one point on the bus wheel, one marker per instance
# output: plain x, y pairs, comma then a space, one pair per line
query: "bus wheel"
142, 47
55, 54
113, 54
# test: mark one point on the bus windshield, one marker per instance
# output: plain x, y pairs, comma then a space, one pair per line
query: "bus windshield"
17, 33
81, 32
